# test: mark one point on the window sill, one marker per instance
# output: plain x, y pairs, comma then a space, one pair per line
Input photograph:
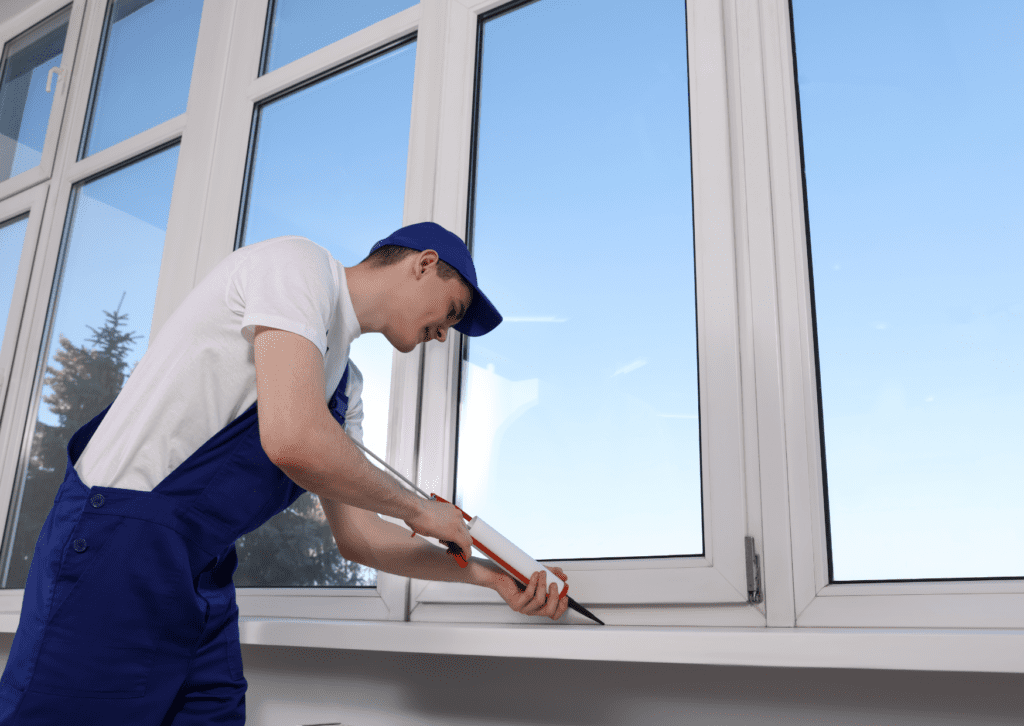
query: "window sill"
925, 649
995, 651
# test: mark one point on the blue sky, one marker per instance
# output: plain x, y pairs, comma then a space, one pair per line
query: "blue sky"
911, 116
584, 236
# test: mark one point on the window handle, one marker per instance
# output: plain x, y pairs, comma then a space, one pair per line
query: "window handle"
49, 76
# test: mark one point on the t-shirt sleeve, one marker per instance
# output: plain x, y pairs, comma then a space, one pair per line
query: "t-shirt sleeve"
288, 283
354, 414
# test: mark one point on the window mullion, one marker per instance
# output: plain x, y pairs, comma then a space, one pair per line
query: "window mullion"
191, 195
756, 279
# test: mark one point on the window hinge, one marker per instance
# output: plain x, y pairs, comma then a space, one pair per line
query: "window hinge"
754, 594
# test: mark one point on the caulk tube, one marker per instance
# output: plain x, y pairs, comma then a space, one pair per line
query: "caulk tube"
509, 557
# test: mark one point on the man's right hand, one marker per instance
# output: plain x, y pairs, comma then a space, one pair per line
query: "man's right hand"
442, 521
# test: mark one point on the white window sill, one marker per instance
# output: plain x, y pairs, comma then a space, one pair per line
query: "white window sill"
996, 651
925, 649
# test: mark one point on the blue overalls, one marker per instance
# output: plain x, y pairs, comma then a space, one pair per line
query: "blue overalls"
129, 614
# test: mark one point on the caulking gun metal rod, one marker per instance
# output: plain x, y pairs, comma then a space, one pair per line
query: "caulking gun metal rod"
392, 470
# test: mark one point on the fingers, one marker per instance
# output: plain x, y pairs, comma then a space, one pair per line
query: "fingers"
530, 600
443, 521
535, 598
458, 528
465, 540
540, 599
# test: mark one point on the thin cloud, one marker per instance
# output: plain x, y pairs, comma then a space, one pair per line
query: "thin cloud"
630, 367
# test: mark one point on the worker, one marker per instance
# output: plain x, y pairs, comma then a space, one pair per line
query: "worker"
243, 401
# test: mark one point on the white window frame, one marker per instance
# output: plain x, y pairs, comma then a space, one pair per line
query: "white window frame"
12, 369
656, 591
11, 29
788, 423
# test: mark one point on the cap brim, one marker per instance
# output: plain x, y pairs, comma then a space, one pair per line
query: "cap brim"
481, 317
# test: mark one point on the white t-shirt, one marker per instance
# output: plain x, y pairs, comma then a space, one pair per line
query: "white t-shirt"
199, 373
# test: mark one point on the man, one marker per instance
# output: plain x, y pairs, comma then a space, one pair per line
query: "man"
129, 613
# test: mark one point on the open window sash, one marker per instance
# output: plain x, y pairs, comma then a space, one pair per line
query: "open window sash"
626, 591
788, 423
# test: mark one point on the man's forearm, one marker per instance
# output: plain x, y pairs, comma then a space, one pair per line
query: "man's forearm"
326, 462
369, 540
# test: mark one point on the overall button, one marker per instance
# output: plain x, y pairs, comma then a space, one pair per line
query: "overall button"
96, 500
80, 545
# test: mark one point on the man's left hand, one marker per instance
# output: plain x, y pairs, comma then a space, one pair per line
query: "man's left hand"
539, 597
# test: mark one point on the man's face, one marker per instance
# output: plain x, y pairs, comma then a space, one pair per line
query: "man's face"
429, 306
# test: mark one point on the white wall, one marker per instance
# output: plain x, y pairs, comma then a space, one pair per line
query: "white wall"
292, 686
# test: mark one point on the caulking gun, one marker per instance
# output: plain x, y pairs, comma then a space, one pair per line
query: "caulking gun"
506, 555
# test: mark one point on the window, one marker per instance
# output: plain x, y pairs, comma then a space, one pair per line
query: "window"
20, 218
579, 414
329, 164
107, 279
917, 304
887, 186
89, 272
35, 70
26, 93
661, 408
144, 70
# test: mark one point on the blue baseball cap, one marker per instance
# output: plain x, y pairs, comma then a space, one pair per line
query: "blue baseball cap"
481, 316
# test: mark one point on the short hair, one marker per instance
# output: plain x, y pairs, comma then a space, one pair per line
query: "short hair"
391, 254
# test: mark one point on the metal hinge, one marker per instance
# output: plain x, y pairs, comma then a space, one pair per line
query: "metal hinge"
754, 594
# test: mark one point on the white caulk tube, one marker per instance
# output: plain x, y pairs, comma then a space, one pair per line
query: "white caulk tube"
509, 557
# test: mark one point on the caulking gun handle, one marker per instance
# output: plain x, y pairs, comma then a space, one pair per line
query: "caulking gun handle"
453, 549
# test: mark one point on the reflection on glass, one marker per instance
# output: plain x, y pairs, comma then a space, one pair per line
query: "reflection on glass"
299, 27
329, 165
582, 405
112, 251
12, 241
144, 70
911, 117
24, 101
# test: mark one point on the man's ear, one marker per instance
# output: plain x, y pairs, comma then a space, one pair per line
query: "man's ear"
424, 261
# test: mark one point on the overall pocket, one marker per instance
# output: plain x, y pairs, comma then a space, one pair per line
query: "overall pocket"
121, 591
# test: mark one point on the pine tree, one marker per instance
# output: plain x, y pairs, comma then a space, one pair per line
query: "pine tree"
296, 549
88, 381
293, 549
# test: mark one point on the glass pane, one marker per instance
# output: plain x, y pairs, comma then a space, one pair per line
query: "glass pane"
330, 166
584, 401
12, 241
144, 70
111, 262
298, 27
24, 101
912, 115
